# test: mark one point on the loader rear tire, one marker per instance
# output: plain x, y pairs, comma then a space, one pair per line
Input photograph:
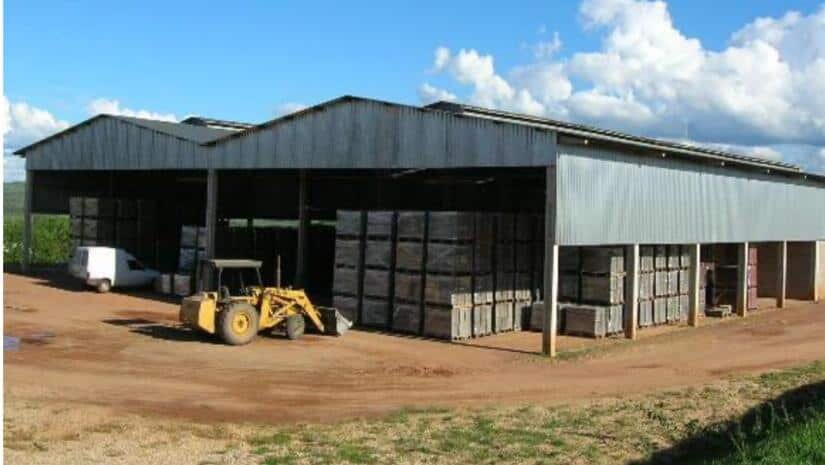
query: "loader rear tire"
238, 324
295, 326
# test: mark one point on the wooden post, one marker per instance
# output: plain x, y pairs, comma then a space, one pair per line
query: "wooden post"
551, 267
694, 283
25, 258
781, 273
631, 304
211, 222
303, 227
742, 281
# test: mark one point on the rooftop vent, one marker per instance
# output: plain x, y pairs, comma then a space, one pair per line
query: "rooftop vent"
216, 123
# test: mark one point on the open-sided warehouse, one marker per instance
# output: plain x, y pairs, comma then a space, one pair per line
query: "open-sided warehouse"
579, 187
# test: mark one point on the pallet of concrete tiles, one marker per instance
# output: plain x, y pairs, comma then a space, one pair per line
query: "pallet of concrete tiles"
569, 286
673, 312
349, 223
537, 316
503, 313
684, 281
684, 307
521, 315
660, 305
98, 228
453, 259
674, 257
646, 260
347, 252
660, 257
375, 312
448, 290
661, 288
451, 323
380, 224
406, 317
408, 286
345, 281
377, 283
182, 284
645, 313
569, 259
451, 226
94, 207
646, 285
592, 320
193, 236
163, 283
409, 256
189, 258
347, 305
482, 316
483, 290
602, 260
673, 282
411, 225
602, 289
378, 253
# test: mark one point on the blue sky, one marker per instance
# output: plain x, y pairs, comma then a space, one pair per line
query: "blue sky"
253, 60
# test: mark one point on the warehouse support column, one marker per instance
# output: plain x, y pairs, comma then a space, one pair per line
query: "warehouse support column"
303, 227
781, 273
742, 281
211, 222
551, 267
631, 304
694, 283
26, 256
816, 272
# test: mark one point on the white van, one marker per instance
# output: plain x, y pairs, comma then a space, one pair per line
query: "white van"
105, 267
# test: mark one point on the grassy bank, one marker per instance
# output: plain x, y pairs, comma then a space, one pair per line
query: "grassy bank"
51, 242
777, 418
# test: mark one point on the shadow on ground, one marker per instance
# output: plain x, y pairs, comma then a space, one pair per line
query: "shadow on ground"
730, 442
162, 331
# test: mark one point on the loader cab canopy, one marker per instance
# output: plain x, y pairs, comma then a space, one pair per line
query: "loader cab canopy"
231, 277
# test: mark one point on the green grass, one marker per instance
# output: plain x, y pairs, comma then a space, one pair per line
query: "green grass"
771, 419
51, 242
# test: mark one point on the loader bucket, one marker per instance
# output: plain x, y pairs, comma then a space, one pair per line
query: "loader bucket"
335, 324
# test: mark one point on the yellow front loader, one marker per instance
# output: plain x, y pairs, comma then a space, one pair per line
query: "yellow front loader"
237, 319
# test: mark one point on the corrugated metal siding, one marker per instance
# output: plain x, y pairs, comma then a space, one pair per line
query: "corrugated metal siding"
113, 144
607, 197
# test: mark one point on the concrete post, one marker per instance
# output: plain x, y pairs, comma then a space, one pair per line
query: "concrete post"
742, 281
551, 267
631, 293
781, 273
551, 301
26, 256
694, 283
303, 228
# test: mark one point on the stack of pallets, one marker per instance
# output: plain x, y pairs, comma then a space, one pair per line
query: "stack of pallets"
125, 223
349, 264
723, 284
647, 280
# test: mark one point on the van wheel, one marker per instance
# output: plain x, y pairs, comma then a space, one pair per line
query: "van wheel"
295, 326
104, 286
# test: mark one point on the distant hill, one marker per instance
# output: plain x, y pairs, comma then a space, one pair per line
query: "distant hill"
13, 193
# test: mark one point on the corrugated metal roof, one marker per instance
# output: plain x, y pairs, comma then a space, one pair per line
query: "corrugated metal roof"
581, 130
189, 132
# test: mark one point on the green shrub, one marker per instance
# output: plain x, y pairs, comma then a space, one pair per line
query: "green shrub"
51, 243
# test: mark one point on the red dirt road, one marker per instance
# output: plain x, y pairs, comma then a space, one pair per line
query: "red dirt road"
127, 353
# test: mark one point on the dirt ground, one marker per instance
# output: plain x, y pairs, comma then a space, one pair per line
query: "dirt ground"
126, 353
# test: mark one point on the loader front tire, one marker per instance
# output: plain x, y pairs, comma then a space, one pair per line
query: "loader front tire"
295, 326
238, 324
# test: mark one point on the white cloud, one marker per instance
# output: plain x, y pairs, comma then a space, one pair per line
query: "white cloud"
112, 107
546, 50
289, 107
429, 94
21, 125
765, 87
